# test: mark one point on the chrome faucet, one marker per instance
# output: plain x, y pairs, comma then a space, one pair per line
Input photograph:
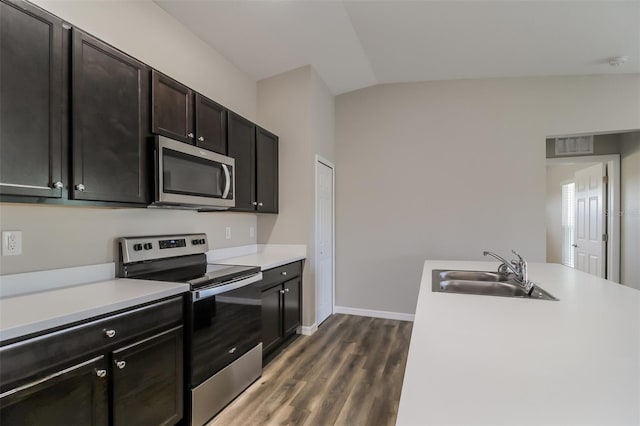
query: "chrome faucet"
519, 268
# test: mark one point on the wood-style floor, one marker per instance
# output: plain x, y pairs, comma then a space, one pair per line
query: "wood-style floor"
348, 373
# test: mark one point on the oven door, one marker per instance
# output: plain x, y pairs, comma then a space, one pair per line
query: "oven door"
226, 322
190, 176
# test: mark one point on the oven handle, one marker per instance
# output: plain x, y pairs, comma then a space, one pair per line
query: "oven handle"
213, 291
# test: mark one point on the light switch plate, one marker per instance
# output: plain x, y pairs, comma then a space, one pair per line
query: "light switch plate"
11, 243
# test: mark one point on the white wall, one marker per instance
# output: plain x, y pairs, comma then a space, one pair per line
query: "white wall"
55, 237
445, 170
299, 108
630, 220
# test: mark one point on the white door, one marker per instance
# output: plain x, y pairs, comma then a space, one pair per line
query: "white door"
324, 241
590, 253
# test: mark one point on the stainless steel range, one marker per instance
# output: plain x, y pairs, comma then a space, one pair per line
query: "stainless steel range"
223, 316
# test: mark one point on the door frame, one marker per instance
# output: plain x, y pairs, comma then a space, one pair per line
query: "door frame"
612, 162
321, 160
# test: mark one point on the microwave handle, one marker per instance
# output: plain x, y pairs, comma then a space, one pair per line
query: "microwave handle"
227, 184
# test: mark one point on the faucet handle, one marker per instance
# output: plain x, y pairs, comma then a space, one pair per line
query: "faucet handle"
520, 259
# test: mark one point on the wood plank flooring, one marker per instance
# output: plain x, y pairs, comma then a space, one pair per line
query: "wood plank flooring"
348, 373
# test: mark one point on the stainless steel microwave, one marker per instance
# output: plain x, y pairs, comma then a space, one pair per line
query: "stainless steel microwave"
189, 177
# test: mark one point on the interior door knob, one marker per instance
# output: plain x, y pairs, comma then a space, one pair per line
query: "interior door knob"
574, 245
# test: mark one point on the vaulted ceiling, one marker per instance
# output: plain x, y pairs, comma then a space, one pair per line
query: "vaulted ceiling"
355, 44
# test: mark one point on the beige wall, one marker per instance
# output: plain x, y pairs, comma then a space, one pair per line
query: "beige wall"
630, 220
445, 170
56, 237
299, 108
557, 175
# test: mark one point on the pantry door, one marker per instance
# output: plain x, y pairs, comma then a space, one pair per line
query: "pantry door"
324, 239
590, 251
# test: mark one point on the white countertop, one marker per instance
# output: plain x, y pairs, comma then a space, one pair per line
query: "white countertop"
499, 360
35, 312
266, 257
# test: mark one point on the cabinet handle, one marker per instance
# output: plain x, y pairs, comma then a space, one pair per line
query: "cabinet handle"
201, 138
259, 204
254, 203
110, 333
283, 273
80, 187
232, 350
101, 373
190, 135
121, 364
57, 185
286, 290
281, 291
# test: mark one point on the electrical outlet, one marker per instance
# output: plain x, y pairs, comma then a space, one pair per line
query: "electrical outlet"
227, 233
11, 243
252, 232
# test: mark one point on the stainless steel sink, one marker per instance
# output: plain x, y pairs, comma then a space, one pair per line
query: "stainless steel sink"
484, 283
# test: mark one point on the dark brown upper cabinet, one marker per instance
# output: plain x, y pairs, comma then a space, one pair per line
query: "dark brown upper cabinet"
31, 85
256, 153
242, 147
110, 93
172, 112
266, 171
182, 114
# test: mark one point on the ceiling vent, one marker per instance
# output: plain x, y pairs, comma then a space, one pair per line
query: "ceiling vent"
577, 145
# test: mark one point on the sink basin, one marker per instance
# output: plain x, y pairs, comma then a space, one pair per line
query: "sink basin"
484, 283
474, 276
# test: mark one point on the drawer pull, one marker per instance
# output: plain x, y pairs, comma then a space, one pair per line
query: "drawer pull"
121, 364
110, 333
284, 273
101, 373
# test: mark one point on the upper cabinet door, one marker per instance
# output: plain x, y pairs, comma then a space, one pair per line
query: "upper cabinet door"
110, 123
267, 171
211, 125
172, 112
30, 101
241, 147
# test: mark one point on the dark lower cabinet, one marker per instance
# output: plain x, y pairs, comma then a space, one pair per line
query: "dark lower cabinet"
281, 305
291, 308
147, 381
31, 100
76, 395
271, 318
125, 369
110, 125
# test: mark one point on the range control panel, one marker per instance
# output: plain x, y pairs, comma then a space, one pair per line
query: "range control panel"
138, 249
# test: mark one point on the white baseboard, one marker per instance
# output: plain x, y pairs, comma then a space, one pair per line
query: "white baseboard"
371, 313
308, 330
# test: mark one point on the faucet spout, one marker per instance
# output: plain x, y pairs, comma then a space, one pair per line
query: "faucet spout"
518, 267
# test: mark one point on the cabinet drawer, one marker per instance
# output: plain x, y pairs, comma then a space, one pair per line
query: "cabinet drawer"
280, 274
22, 360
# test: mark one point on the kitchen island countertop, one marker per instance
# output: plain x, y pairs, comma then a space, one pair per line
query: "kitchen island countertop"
499, 360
